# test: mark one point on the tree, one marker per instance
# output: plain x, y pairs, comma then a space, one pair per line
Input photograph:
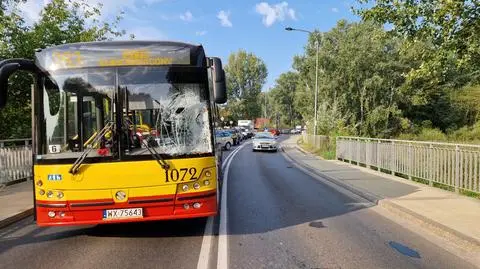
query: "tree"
358, 83
60, 22
283, 96
451, 27
246, 74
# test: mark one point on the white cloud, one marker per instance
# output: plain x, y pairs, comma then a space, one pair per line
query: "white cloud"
335, 9
145, 33
200, 33
31, 9
187, 16
273, 13
223, 16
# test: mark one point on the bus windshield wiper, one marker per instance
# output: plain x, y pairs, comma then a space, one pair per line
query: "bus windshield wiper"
78, 162
152, 151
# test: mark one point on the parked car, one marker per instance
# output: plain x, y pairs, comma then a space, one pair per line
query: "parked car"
240, 133
265, 141
247, 133
235, 136
224, 139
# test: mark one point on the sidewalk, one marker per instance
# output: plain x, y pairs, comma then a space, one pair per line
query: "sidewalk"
16, 202
447, 211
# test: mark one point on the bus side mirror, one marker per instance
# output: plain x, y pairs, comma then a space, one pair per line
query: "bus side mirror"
219, 84
7, 68
5, 72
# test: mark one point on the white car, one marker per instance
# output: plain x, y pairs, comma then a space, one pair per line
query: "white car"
265, 141
224, 139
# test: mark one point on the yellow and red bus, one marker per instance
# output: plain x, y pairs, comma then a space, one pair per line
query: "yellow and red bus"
94, 162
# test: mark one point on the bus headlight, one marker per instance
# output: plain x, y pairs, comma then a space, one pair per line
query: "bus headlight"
51, 214
206, 182
185, 187
39, 183
196, 185
197, 205
60, 195
41, 192
49, 194
208, 173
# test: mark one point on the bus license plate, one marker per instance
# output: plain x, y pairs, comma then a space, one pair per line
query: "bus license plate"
122, 213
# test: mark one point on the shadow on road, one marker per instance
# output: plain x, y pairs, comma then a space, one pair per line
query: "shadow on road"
149, 229
266, 192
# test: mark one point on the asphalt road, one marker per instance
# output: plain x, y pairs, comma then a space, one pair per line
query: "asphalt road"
277, 217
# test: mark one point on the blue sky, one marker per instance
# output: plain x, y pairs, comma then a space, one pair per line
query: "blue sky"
226, 26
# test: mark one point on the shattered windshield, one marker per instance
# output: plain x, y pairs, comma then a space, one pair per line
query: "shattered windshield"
161, 107
166, 108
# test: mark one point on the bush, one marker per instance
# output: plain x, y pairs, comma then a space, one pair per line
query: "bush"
467, 134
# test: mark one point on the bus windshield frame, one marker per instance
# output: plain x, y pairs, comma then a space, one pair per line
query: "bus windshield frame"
177, 98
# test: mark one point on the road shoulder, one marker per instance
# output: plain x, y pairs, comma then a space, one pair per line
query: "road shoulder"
16, 203
449, 214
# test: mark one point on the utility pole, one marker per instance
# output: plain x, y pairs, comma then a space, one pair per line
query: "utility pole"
317, 45
265, 103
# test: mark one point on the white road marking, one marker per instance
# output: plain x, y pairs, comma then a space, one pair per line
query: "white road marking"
231, 155
204, 257
222, 255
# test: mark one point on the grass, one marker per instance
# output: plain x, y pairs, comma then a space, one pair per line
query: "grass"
326, 153
470, 194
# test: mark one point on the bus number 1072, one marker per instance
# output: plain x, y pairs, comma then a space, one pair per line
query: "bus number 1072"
182, 174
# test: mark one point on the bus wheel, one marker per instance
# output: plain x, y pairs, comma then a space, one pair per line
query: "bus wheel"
228, 146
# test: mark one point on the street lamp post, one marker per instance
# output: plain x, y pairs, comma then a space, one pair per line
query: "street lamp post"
316, 74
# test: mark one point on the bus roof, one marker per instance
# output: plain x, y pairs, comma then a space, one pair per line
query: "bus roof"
120, 53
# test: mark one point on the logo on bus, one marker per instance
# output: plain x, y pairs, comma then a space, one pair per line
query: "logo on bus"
54, 177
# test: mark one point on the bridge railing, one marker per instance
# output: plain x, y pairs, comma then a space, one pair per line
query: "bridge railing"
15, 160
316, 141
453, 165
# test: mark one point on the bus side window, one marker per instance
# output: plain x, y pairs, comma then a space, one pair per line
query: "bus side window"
53, 93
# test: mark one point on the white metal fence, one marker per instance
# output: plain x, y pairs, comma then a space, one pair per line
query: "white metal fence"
316, 141
454, 165
15, 160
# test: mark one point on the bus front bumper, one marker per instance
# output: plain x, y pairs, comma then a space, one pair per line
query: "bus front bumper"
166, 207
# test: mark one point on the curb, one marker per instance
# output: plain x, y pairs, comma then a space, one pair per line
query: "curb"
16, 217
389, 205
360, 192
302, 150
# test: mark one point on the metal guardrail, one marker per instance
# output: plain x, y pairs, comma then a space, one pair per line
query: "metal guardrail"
15, 160
454, 165
316, 141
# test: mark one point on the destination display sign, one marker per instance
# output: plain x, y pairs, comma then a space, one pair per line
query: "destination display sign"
102, 56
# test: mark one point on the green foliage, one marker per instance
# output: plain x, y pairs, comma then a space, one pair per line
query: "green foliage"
359, 80
246, 74
426, 134
467, 134
373, 83
451, 26
281, 100
61, 21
